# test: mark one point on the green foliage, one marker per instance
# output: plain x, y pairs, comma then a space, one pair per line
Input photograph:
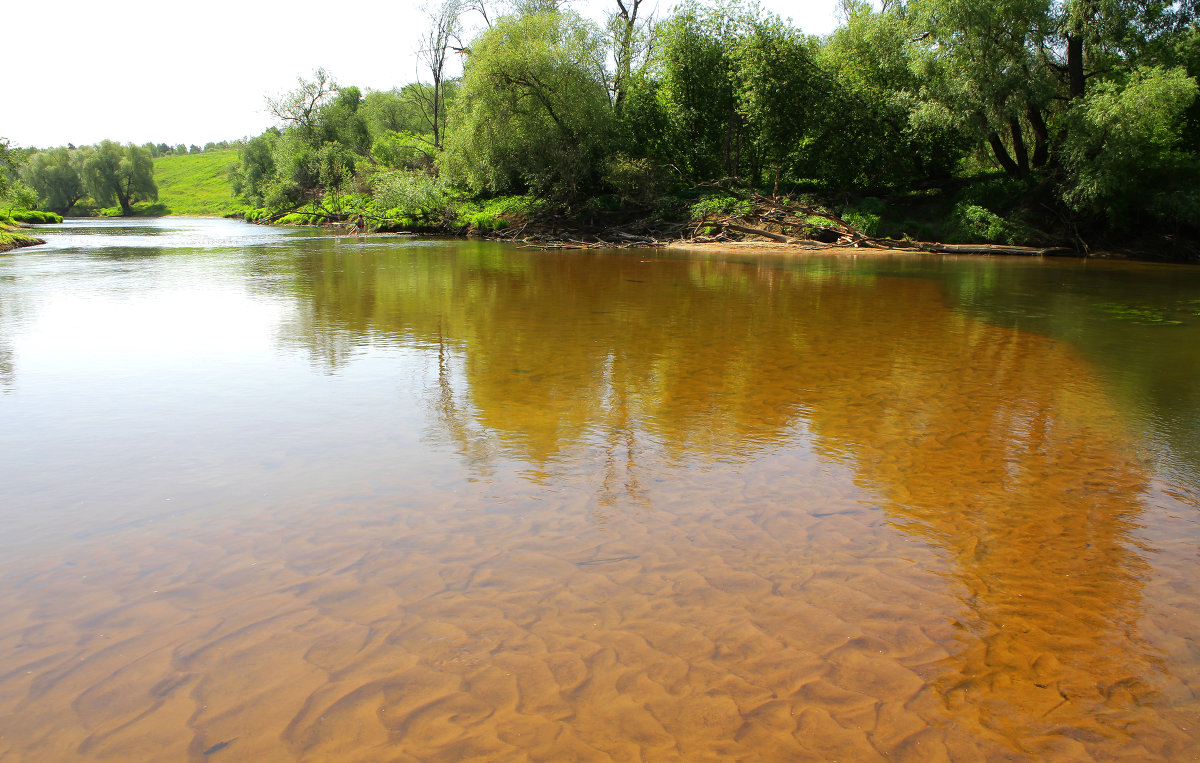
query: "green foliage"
634, 179
402, 150
6, 165
256, 168
122, 174
497, 213
301, 218
1122, 144
18, 197
533, 112
718, 204
886, 129
415, 195
780, 94
57, 176
970, 224
867, 215
696, 90
137, 210
35, 217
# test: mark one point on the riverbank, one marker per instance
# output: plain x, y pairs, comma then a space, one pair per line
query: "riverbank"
10, 240
733, 215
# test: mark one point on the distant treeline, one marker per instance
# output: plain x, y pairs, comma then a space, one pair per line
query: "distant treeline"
107, 178
162, 149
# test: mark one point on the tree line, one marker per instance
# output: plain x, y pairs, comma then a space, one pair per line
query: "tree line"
57, 179
1084, 109
1080, 111
106, 174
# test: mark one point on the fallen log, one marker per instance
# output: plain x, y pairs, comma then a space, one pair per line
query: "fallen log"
757, 232
989, 249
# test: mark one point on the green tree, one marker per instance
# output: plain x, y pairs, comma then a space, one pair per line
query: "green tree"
6, 165
389, 111
1122, 151
301, 107
124, 174
534, 111
255, 169
697, 93
884, 129
780, 94
57, 177
339, 121
988, 63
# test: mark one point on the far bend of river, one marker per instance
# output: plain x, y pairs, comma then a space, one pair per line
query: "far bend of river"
271, 495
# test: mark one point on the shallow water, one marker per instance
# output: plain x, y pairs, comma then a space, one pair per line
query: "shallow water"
270, 495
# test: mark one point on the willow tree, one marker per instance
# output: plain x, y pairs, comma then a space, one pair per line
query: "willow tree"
124, 174
987, 62
885, 128
57, 176
533, 111
1011, 67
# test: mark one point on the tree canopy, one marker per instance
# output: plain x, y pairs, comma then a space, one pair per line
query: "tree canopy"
1088, 107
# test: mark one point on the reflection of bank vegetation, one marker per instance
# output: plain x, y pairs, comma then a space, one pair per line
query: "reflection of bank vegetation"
995, 446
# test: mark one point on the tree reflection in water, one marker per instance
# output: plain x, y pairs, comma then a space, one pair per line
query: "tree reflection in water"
1000, 448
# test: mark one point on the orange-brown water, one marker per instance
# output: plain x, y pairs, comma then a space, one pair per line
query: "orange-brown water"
656, 510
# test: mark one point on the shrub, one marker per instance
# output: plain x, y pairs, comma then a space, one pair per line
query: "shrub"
718, 203
970, 224
410, 194
632, 179
500, 212
866, 215
35, 216
300, 218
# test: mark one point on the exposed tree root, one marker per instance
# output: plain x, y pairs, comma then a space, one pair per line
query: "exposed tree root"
777, 219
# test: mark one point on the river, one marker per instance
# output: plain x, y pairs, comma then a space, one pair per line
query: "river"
270, 494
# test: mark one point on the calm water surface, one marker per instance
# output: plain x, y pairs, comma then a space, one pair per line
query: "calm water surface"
273, 495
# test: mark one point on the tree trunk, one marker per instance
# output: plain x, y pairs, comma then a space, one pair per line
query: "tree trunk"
1022, 153
1001, 153
1075, 65
1041, 137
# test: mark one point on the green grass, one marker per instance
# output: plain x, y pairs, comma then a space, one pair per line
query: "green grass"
10, 240
196, 184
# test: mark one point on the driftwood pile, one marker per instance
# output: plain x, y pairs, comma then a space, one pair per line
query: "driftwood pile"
780, 220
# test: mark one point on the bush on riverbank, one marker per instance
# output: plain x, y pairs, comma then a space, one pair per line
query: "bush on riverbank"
35, 217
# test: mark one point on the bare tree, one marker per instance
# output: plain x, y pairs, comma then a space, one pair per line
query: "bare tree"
480, 7
445, 27
630, 42
300, 106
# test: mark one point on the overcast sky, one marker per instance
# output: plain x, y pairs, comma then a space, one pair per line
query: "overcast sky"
166, 72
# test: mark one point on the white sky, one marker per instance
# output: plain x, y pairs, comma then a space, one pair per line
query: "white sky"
133, 70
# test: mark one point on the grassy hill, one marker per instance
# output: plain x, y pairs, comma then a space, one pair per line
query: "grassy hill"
195, 184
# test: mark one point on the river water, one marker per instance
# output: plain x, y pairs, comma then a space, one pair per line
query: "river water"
269, 494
